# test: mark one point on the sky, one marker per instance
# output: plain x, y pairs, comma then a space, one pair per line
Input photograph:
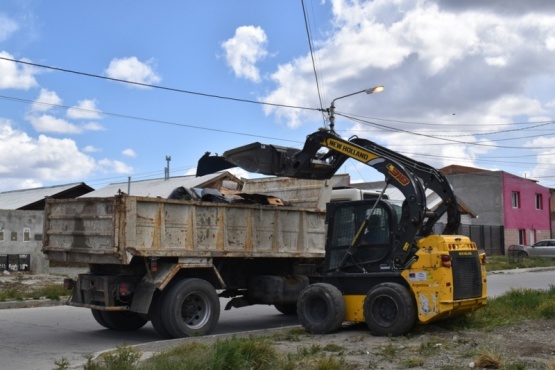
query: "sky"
105, 91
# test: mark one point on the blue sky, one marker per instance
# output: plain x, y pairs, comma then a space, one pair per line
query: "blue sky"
467, 83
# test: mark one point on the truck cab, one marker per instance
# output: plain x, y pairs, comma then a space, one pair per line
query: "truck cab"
347, 193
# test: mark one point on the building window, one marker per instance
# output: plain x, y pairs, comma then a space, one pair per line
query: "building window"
516, 199
539, 205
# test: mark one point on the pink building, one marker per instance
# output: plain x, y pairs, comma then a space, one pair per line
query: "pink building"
518, 206
526, 210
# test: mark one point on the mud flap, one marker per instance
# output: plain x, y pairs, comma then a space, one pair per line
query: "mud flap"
143, 297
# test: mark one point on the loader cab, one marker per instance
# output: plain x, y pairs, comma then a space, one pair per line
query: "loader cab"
374, 249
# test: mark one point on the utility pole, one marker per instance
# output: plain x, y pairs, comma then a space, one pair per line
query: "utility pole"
167, 169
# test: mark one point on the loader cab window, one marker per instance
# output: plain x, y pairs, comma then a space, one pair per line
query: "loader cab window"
345, 220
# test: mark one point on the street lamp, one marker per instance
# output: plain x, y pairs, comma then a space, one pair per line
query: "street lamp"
331, 110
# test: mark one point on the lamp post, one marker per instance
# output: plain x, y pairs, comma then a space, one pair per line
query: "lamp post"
331, 110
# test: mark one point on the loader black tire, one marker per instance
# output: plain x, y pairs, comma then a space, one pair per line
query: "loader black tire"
97, 314
321, 308
389, 310
190, 307
123, 320
155, 314
287, 308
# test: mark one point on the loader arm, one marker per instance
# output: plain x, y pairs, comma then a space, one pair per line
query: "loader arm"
407, 175
311, 163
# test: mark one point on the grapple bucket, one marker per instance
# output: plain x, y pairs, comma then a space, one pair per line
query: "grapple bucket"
275, 160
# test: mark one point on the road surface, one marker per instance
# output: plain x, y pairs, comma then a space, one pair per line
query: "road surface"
33, 338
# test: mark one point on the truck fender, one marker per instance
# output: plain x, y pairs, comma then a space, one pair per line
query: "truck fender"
163, 275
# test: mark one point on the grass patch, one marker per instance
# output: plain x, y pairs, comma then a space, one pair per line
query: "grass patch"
11, 292
496, 263
510, 308
254, 353
234, 353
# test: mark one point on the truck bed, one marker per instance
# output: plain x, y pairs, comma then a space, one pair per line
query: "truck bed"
113, 230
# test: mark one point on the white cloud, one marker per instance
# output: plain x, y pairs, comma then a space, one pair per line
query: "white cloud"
133, 70
7, 27
93, 126
246, 48
85, 109
129, 153
45, 101
114, 166
14, 75
91, 149
434, 61
49, 123
30, 161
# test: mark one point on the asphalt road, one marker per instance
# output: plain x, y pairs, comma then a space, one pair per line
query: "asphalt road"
34, 338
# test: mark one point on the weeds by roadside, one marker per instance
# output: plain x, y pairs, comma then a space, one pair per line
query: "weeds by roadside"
15, 292
497, 263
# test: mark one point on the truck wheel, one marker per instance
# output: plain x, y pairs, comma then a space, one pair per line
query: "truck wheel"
97, 314
190, 307
321, 308
389, 309
155, 314
123, 320
287, 309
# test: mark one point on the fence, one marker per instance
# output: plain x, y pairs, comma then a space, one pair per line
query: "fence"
491, 239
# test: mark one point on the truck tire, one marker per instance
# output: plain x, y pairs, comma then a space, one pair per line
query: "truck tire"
389, 310
321, 308
155, 314
287, 309
123, 320
190, 307
97, 314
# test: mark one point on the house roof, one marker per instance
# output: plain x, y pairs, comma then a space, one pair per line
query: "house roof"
34, 199
456, 169
163, 187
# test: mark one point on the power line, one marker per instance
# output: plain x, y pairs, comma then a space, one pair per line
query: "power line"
387, 128
119, 115
155, 86
313, 62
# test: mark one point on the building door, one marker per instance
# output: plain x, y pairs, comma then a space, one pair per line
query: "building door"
532, 238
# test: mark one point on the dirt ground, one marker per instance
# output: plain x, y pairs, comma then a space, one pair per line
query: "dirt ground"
528, 345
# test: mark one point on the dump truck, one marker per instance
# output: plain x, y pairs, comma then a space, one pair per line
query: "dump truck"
169, 261
384, 266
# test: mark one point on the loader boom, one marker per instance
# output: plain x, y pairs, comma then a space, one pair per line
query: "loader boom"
410, 177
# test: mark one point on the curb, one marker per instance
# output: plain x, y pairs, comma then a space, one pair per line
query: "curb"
33, 303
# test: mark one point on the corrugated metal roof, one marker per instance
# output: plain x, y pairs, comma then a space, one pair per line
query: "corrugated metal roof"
17, 199
158, 187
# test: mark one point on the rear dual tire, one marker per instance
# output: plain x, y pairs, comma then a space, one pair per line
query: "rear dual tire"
119, 320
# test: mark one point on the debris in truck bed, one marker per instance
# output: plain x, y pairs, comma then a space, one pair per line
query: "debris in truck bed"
216, 196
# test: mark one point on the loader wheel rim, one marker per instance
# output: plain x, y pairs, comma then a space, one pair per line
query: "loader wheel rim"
385, 311
317, 309
195, 310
